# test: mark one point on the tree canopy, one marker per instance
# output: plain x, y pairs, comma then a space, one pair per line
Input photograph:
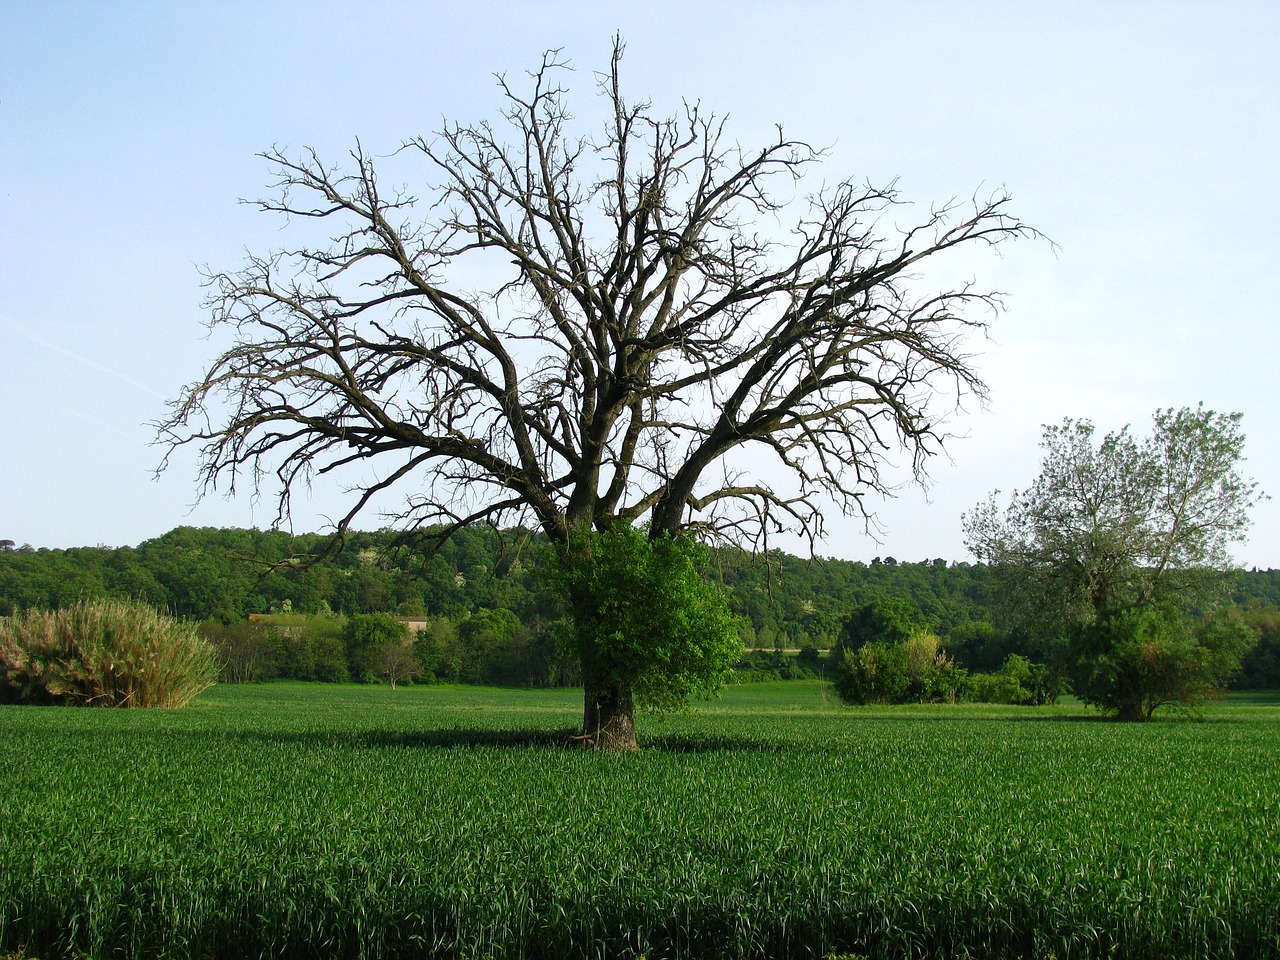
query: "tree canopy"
883, 620
635, 334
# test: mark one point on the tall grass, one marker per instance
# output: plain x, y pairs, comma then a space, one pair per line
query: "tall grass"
103, 653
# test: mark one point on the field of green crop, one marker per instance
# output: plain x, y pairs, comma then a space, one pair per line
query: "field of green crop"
291, 820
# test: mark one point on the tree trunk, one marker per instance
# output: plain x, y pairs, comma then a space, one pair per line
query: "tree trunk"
1130, 711
608, 717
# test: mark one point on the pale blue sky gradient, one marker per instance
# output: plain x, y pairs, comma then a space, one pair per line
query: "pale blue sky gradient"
1142, 137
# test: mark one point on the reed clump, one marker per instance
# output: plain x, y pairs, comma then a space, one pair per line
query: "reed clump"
110, 653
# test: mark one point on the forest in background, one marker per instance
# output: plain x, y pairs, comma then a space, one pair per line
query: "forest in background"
490, 618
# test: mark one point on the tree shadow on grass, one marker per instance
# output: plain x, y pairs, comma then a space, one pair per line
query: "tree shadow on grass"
710, 743
952, 714
569, 738
467, 738
454, 738
1162, 717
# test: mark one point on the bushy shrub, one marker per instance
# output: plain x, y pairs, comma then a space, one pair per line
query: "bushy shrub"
935, 678
998, 687
1019, 681
1143, 658
913, 670
103, 653
876, 673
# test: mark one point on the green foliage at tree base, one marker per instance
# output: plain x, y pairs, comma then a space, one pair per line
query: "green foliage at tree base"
643, 617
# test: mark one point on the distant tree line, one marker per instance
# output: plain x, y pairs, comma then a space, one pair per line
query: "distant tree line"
483, 612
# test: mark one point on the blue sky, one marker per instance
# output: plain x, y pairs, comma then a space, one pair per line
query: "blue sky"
1142, 137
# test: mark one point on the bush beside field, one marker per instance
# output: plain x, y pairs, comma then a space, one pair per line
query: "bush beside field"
111, 653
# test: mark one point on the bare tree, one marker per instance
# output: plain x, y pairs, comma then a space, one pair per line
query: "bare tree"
645, 334
396, 660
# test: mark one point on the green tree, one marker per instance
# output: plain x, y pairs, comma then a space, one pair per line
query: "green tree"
645, 332
363, 636
978, 645
645, 623
1118, 545
487, 638
884, 620
1142, 658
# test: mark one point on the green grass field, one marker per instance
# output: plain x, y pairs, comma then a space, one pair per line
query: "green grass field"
293, 820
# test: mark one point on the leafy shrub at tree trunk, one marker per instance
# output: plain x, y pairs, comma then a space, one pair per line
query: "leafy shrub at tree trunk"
645, 624
109, 653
